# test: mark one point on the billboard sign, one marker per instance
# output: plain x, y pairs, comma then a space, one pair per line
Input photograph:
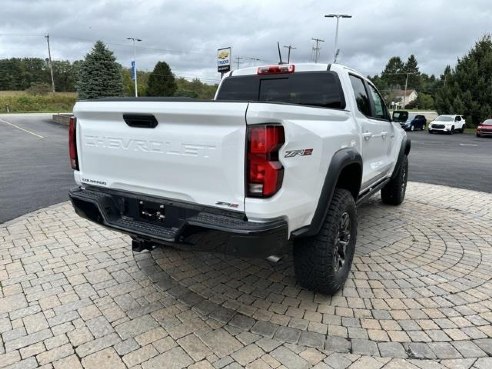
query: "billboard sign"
224, 60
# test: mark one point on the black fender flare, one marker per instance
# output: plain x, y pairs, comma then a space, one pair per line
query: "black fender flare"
406, 145
340, 160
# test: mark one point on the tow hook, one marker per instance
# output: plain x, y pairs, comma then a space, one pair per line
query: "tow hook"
139, 245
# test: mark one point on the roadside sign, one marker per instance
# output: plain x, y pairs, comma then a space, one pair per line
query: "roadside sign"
224, 60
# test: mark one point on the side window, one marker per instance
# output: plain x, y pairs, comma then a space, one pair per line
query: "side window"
361, 95
458, 118
380, 111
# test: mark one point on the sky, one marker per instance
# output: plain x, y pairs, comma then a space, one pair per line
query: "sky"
187, 34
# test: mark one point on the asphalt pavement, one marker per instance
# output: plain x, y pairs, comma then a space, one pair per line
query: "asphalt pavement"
34, 166
459, 160
35, 170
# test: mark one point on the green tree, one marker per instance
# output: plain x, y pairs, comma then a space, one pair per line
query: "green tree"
20, 74
423, 101
129, 84
467, 89
161, 81
65, 75
99, 74
195, 89
414, 78
392, 75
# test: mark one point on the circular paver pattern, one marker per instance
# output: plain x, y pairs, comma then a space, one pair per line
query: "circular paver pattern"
72, 293
421, 273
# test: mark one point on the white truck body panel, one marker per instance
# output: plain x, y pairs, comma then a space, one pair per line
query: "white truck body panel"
305, 128
197, 151
379, 139
195, 154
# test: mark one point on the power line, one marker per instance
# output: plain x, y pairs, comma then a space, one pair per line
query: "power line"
21, 35
239, 58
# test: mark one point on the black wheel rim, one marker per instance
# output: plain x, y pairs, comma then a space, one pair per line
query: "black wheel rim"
342, 241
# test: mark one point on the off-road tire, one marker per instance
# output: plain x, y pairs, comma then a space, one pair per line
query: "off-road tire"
393, 193
317, 259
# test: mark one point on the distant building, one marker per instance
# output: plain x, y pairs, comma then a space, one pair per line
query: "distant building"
403, 99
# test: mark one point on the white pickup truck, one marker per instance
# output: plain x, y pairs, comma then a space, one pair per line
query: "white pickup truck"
283, 153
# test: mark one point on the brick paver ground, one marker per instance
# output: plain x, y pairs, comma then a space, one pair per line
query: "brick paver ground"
72, 295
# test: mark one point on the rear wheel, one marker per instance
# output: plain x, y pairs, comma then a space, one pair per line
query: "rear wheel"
322, 263
412, 128
462, 129
393, 193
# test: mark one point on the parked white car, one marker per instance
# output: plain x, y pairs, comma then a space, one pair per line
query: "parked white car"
448, 124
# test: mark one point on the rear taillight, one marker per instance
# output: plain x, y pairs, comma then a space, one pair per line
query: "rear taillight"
264, 170
72, 143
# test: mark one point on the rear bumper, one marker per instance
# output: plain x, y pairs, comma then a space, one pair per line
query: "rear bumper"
183, 225
484, 133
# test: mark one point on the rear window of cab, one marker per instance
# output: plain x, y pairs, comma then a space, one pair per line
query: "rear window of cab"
321, 89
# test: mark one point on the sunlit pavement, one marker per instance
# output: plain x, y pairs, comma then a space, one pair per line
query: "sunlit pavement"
73, 295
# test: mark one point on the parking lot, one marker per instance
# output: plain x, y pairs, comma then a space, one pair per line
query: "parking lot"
74, 295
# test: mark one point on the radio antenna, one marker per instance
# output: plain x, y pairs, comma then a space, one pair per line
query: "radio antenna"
279, 53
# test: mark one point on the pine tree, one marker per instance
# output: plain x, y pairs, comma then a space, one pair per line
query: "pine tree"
414, 78
392, 73
467, 89
99, 75
161, 81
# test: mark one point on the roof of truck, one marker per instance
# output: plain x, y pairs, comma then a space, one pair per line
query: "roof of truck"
299, 67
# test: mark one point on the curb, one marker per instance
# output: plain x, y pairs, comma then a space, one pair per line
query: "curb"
62, 118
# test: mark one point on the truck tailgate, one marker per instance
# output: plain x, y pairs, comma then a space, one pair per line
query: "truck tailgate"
195, 153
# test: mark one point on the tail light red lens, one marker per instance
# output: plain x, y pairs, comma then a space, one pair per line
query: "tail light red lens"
276, 69
265, 172
72, 143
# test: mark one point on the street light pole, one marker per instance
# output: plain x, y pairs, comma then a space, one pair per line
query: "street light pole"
135, 62
337, 16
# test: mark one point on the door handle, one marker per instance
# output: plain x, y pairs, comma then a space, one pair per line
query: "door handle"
140, 120
384, 134
367, 136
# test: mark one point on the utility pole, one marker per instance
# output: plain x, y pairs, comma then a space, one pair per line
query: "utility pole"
337, 16
238, 61
316, 49
135, 62
406, 86
239, 58
290, 47
47, 36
